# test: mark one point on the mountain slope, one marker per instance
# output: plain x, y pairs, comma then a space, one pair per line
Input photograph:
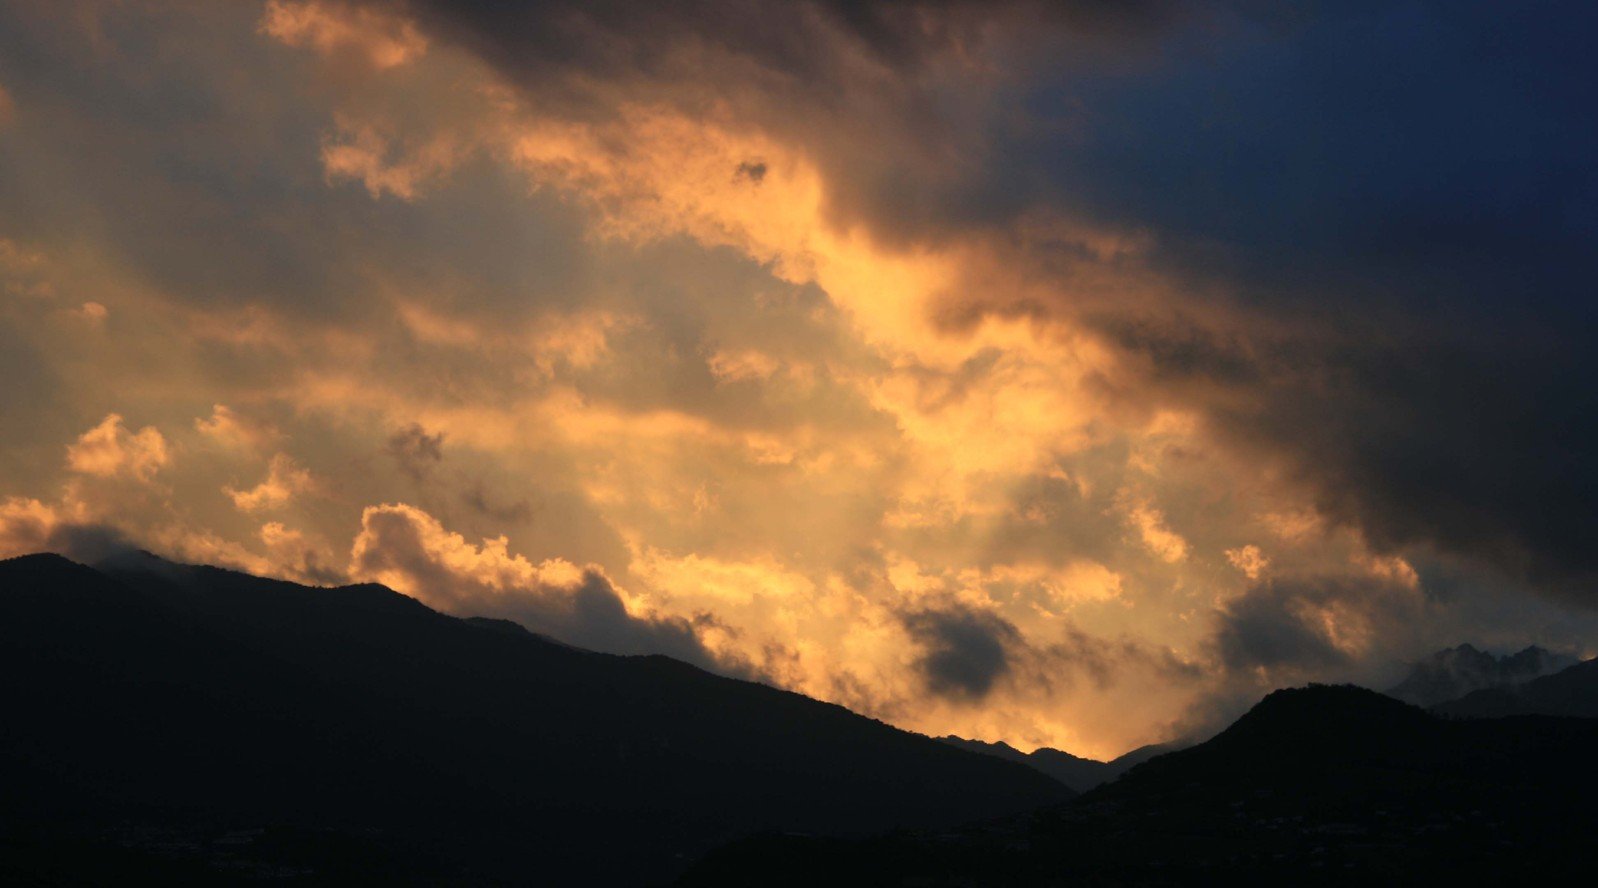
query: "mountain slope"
1315, 785
1453, 673
190, 698
1570, 692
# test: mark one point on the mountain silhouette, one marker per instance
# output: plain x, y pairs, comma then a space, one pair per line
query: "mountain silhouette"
167, 720
1570, 692
1317, 785
1080, 774
1455, 672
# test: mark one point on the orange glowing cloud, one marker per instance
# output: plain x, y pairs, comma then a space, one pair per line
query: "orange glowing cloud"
108, 450
384, 41
284, 481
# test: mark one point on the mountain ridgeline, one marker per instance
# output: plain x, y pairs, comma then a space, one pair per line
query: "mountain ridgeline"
352, 733
191, 725
1317, 785
1080, 774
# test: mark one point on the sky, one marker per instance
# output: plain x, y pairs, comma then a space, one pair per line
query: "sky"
1066, 373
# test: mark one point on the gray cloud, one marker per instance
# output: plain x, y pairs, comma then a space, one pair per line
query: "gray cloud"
1318, 626
964, 651
754, 171
1267, 628
415, 450
86, 543
515, 512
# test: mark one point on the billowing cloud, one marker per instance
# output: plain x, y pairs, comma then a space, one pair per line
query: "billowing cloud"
109, 450
228, 428
334, 27
1151, 529
408, 550
28, 526
1248, 559
298, 557
284, 480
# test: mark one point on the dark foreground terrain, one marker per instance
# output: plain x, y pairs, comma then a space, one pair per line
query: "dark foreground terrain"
189, 725
1335, 785
162, 722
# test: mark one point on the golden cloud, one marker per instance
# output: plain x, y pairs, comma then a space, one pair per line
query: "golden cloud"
382, 40
284, 480
108, 450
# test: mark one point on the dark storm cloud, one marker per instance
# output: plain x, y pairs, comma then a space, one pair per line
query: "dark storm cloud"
1481, 449
964, 651
800, 41
885, 96
1397, 197
1264, 628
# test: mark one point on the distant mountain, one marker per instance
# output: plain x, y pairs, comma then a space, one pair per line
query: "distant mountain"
1569, 692
172, 721
1318, 785
1080, 774
1453, 673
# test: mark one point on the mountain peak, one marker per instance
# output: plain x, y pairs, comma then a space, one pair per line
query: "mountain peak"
1303, 721
41, 562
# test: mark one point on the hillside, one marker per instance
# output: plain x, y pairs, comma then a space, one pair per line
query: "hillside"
1318, 785
355, 730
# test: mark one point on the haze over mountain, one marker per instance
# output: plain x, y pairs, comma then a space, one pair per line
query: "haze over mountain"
1457, 671
1570, 692
373, 738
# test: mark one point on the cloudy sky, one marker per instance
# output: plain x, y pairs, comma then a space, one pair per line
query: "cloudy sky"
1063, 373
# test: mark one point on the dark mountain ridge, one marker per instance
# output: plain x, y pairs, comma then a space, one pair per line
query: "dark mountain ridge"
1317, 785
194, 699
1080, 774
